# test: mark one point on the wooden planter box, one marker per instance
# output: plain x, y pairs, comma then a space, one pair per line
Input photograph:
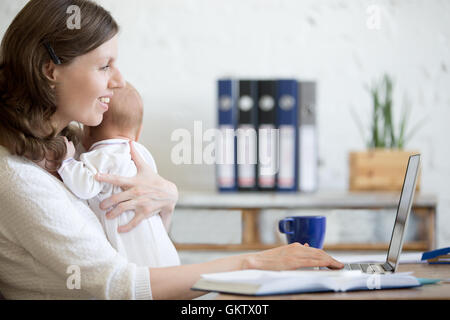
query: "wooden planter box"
379, 170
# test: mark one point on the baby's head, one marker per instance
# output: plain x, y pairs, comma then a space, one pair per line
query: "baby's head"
122, 120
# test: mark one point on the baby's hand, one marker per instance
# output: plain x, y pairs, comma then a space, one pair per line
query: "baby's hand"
70, 149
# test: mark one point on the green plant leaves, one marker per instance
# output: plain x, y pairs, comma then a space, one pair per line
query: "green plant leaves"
383, 131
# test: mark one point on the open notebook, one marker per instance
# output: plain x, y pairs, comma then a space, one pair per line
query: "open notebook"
258, 282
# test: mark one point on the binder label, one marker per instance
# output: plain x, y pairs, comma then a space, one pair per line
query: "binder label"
225, 103
267, 155
245, 103
225, 156
286, 174
246, 155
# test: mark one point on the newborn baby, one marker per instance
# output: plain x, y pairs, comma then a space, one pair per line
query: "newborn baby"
148, 244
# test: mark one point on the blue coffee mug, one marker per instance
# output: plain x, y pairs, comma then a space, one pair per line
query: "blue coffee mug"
304, 229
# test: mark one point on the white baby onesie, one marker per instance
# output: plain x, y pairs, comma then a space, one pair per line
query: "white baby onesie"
148, 244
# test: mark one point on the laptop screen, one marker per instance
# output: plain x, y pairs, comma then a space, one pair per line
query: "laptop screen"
404, 207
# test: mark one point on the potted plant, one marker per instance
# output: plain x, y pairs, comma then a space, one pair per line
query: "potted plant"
382, 166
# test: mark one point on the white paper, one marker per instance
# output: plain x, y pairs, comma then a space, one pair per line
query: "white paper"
275, 282
248, 276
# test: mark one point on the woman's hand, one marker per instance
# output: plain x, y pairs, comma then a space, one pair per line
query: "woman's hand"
146, 194
290, 257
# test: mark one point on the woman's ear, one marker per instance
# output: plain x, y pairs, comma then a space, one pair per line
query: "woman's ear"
49, 70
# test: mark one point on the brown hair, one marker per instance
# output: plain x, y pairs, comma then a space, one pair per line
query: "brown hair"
27, 101
125, 112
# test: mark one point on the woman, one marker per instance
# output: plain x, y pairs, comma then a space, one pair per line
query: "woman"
51, 76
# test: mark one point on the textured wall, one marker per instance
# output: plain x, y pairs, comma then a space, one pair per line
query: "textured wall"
173, 51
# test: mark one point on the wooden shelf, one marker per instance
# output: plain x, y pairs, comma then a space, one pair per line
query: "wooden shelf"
411, 246
296, 200
251, 204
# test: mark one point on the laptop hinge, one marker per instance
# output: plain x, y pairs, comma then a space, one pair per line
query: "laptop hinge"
388, 266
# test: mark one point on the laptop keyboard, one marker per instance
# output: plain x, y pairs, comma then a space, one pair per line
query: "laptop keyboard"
369, 268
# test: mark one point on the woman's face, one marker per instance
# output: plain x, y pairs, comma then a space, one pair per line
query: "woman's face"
83, 87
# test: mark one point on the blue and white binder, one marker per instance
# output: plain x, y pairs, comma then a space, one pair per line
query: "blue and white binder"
308, 141
287, 125
225, 140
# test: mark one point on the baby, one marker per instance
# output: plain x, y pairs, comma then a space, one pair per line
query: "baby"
148, 244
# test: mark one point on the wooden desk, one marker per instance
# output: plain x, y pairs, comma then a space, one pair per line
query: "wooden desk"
440, 291
251, 204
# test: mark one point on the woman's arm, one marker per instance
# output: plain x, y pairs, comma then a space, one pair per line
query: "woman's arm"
175, 282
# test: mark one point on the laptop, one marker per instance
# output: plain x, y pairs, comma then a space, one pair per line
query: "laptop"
398, 233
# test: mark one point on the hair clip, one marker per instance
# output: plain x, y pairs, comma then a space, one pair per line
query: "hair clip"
52, 54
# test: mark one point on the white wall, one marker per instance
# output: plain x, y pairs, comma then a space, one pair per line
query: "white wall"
174, 50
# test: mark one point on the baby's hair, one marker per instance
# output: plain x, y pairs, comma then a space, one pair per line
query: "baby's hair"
125, 111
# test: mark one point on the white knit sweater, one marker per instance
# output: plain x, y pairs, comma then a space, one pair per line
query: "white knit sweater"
47, 235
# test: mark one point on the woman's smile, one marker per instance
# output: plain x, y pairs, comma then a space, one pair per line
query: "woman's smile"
104, 102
